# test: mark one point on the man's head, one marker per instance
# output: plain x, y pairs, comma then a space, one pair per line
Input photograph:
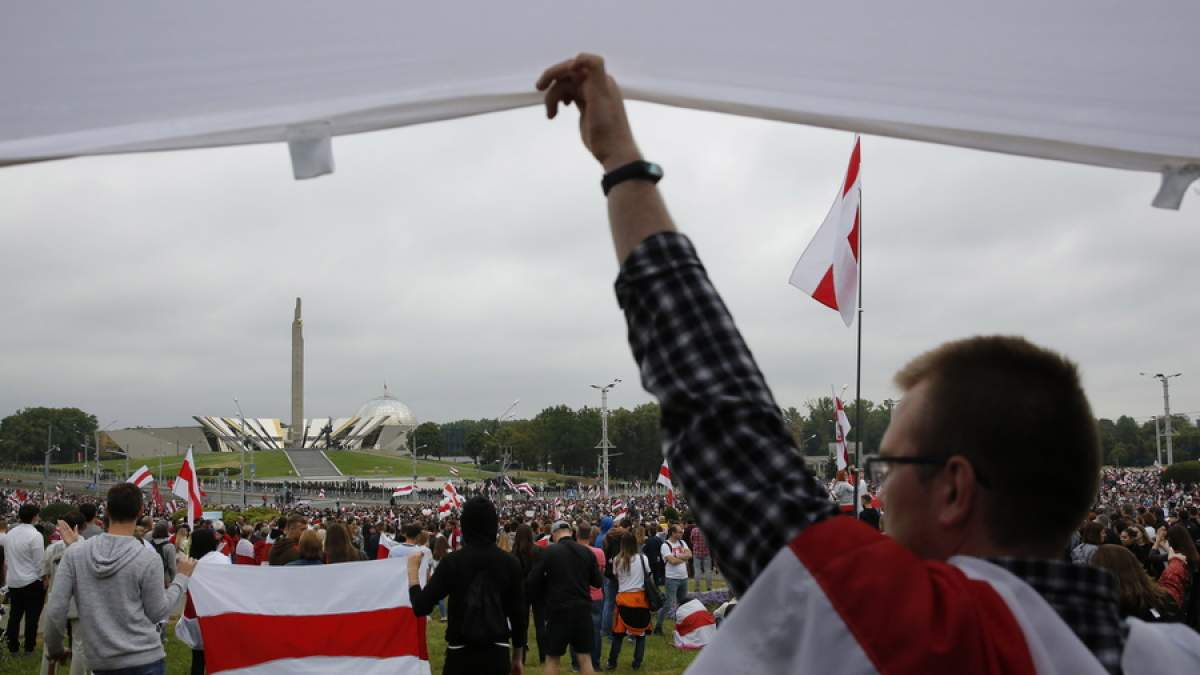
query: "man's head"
560, 530
479, 521
1010, 458
27, 513
866, 501
296, 525
411, 532
124, 503
673, 532
89, 511
75, 520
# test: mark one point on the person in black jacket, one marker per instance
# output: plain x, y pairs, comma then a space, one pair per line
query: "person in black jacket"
652, 549
487, 598
563, 579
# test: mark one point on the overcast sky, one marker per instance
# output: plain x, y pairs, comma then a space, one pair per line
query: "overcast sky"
468, 263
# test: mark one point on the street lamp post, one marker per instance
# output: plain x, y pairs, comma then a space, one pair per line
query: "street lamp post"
1157, 440
604, 444
242, 473
1165, 379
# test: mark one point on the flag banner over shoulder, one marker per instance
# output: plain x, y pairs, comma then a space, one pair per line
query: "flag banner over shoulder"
348, 618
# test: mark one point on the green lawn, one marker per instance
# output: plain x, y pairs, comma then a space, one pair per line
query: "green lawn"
273, 464
662, 658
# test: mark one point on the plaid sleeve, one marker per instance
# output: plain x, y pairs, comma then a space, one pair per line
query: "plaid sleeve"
724, 436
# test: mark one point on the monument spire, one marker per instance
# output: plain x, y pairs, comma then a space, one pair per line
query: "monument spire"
296, 436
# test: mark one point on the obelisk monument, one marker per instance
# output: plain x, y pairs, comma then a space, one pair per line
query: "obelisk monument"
296, 436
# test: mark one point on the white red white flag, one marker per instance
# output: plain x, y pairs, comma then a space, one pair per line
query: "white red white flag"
524, 487
385, 546
403, 490
141, 477
450, 494
664, 479
454, 471
321, 494
843, 430
187, 486
695, 627
349, 619
828, 268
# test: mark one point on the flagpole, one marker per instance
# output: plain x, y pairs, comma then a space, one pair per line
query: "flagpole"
858, 369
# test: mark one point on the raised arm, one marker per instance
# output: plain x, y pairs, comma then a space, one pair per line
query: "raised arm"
726, 441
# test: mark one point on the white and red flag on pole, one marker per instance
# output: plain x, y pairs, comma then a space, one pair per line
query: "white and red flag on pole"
348, 619
321, 494
828, 268
141, 477
524, 487
450, 493
403, 490
664, 479
187, 486
843, 430
386, 543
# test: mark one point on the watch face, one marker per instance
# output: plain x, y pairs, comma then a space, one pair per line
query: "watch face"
654, 170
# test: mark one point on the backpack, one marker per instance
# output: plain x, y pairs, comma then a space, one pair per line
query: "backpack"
485, 621
158, 548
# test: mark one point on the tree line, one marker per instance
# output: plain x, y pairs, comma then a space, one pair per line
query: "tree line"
565, 440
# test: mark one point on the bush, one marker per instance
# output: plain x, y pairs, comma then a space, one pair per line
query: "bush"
1187, 473
54, 512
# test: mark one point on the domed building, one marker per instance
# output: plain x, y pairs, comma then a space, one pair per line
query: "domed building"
382, 423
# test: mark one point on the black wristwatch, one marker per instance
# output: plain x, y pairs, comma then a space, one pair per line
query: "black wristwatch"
639, 170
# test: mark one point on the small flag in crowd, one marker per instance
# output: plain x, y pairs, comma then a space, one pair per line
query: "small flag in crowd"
158, 499
386, 543
141, 477
454, 471
664, 478
524, 487
348, 619
828, 268
450, 493
843, 430
403, 490
187, 486
508, 482
321, 494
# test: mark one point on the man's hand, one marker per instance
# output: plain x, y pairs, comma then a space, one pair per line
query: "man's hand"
59, 658
185, 565
68, 533
602, 121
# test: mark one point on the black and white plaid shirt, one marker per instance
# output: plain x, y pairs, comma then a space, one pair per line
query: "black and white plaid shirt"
727, 445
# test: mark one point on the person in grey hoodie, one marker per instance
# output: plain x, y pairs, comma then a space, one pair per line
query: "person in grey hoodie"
117, 584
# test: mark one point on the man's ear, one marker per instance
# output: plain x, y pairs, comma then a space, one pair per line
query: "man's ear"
955, 488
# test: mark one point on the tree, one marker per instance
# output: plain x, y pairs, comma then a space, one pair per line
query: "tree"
429, 435
26, 434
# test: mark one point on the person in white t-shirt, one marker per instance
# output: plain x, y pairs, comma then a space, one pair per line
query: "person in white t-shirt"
675, 554
410, 547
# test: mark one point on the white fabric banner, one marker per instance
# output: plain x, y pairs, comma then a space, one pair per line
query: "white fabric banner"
1096, 82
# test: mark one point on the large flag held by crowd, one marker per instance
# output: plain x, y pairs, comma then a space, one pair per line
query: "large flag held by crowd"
347, 619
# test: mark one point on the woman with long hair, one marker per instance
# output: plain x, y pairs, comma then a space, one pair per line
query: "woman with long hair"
528, 555
503, 542
1183, 563
339, 545
310, 549
1138, 595
632, 616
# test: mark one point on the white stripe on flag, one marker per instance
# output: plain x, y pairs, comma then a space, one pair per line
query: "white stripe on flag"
252, 589
337, 665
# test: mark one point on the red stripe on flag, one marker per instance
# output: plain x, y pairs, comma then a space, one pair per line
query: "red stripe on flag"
693, 621
920, 617
852, 172
854, 233
242, 640
825, 293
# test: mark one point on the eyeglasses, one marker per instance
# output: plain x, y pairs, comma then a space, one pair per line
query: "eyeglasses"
878, 468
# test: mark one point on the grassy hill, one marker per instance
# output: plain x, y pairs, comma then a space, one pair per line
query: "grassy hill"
273, 464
